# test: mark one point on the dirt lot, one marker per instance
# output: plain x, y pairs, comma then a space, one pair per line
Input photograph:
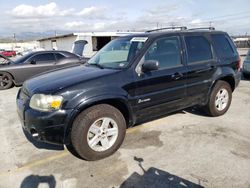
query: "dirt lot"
185, 149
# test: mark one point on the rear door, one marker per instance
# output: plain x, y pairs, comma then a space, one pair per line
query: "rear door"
161, 91
201, 65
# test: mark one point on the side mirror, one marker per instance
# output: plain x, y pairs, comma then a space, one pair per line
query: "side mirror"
32, 62
150, 65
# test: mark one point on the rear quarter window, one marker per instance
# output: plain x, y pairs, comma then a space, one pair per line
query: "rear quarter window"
222, 46
59, 56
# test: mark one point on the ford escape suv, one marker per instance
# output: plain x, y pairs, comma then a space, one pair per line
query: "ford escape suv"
132, 79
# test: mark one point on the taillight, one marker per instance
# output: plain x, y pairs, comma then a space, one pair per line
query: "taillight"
238, 66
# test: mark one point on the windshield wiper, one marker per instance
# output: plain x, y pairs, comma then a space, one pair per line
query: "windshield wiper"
97, 65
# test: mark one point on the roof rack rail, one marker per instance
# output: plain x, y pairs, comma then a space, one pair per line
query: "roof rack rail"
167, 28
201, 28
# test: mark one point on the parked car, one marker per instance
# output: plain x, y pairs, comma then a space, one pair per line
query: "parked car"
31, 64
132, 79
246, 66
8, 53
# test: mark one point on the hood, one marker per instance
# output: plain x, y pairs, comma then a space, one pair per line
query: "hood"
52, 82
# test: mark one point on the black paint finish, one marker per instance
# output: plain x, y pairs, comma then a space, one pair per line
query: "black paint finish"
140, 96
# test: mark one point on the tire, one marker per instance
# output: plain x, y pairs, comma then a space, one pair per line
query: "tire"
6, 81
218, 106
81, 132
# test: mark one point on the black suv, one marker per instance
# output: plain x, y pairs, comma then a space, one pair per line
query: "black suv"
131, 80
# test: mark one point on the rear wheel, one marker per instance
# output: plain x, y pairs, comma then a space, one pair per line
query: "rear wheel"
6, 80
98, 132
220, 99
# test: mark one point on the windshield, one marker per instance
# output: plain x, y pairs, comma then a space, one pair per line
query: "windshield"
118, 53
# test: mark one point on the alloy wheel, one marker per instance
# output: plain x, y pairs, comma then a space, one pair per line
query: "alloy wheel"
102, 134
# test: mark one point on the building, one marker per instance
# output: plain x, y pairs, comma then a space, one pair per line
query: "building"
95, 41
19, 47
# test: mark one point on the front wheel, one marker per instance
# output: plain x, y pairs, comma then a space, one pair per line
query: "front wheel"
98, 132
220, 99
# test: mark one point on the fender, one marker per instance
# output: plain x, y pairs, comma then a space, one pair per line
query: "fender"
106, 98
220, 74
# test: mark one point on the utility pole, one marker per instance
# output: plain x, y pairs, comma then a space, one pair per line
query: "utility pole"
14, 36
210, 24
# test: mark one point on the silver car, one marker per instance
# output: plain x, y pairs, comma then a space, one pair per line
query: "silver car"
246, 65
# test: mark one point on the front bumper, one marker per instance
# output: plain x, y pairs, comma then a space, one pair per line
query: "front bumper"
44, 126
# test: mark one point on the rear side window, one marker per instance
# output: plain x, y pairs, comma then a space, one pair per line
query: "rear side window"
44, 57
222, 46
59, 56
198, 49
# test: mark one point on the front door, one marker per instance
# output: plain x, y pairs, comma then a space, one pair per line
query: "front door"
40, 63
164, 90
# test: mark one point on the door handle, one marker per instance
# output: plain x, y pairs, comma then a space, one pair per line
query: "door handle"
176, 75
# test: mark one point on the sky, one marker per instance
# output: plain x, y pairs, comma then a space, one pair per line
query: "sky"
22, 16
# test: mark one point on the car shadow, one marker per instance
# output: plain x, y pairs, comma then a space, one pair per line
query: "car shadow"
42, 145
35, 181
192, 110
157, 178
196, 111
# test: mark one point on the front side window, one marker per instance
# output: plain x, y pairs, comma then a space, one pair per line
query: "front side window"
118, 53
166, 51
198, 49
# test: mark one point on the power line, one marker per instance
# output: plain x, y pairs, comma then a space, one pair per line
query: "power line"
229, 15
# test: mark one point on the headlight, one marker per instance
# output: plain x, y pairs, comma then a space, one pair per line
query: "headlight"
46, 102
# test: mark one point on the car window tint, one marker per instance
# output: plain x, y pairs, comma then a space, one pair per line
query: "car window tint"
59, 56
198, 49
44, 57
166, 51
222, 46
